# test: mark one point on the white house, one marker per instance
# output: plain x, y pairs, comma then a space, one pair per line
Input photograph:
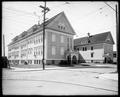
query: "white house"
95, 48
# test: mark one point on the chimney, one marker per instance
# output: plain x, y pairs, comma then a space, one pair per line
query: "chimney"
88, 34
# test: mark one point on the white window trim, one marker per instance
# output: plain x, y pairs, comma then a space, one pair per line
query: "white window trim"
53, 37
62, 51
53, 50
62, 39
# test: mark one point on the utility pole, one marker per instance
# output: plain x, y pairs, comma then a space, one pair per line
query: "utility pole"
3, 45
117, 33
117, 28
45, 10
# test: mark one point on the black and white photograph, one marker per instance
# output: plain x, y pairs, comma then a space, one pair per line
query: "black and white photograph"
60, 47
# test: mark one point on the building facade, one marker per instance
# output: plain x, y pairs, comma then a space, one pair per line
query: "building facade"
28, 46
95, 48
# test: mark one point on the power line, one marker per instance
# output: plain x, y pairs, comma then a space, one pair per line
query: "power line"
21, 24
110, 6
14, 20
14, 11
12, 16
19, 11
18, 14
91, 13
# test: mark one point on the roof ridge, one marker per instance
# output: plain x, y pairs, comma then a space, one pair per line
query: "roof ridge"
52, 18
97, 38
101, 33
93, 35
46, 22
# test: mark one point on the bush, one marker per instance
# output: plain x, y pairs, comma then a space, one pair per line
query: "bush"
5, 62
25, 63
64, 63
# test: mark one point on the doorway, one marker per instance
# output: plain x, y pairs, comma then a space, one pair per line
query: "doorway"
74, 60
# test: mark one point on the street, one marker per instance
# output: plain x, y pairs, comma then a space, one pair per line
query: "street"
59, 81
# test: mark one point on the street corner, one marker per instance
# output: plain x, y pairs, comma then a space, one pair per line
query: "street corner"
109, 76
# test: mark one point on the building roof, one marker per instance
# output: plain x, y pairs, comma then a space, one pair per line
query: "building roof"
35, 28
94, 39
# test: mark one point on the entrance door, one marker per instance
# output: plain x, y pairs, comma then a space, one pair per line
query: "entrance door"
68, 59
74, 60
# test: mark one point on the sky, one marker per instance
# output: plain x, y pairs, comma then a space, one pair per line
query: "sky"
84, 16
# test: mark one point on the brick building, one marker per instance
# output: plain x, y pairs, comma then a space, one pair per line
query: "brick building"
28, 46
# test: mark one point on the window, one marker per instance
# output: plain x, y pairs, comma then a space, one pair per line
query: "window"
67, 43
64, 28
91, 47
39, 39
42, 38
88, 41
62, 51
53, 50
53, 37
91, 61
53, 61
62, 39
34, 40
61, 26
83, 48
58, 26
41, 52
92, 54
114, 55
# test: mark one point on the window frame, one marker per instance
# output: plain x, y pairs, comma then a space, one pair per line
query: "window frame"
53, 50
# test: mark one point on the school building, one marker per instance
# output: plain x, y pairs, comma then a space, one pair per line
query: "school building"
28, 46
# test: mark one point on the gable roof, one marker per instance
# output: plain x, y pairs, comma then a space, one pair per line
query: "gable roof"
94, 39
61, 20
35, 28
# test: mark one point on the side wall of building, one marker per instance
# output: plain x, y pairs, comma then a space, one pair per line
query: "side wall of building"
108, 49
29, 49
57, 44
89, 55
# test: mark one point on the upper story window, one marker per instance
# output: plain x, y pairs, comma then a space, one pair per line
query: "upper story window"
67, 43
77, 49
53, 37
35, 28
41, 38
114, 55
62, 39
61, 26
84, 48
62, 51
53, 50
88, 41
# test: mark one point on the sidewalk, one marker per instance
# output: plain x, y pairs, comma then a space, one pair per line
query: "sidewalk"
81, 65
37, 69
111, 76
96, 65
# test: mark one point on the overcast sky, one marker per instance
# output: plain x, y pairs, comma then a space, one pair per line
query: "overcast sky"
93, 17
